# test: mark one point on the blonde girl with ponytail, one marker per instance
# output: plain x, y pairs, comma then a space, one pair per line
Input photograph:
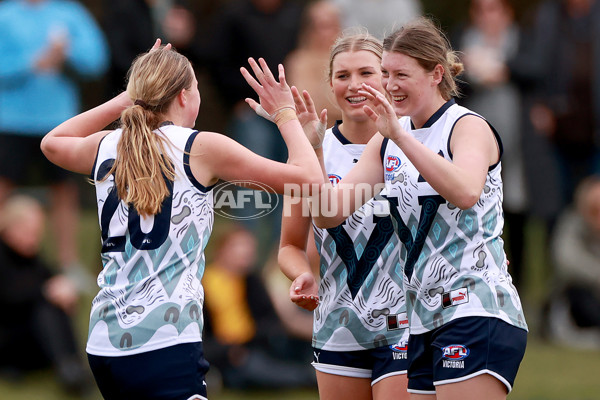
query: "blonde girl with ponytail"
154, 179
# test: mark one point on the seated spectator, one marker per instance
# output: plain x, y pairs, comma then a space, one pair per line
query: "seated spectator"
574, 307
35, 330
245, 339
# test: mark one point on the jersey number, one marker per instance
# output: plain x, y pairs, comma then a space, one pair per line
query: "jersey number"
139, 239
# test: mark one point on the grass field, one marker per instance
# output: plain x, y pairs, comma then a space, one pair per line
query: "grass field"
548, 372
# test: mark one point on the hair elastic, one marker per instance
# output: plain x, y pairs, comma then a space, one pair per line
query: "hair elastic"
141, 103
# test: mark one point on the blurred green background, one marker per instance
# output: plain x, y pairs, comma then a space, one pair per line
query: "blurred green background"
548, 371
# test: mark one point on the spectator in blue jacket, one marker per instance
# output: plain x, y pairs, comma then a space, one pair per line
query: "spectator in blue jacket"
47, 47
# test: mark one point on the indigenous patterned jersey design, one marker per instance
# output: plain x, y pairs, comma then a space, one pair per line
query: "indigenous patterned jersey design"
150, 286
454, 262
361, 298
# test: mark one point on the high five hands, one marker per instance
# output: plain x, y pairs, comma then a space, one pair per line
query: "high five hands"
314, 126
382, 113
274, 96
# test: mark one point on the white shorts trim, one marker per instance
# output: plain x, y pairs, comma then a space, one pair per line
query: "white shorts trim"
388, 376
197, 397
415, 391
483, 371
342, 371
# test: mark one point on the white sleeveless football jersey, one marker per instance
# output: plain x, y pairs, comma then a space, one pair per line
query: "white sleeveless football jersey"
150, 293
454, 261
361, 297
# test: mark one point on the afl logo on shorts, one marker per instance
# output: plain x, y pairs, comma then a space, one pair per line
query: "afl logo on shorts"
392, 163
455, 352
400, 350
400, 347
334, 179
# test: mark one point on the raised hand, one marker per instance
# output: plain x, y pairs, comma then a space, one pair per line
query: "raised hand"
157, 44
382, 113
314, 126
304, 291
273, 95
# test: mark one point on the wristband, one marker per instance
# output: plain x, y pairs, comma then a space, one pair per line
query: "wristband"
284, 115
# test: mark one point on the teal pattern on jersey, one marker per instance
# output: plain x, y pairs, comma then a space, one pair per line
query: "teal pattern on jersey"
137, 335
151, 294
347, 319
454, 260
360, 290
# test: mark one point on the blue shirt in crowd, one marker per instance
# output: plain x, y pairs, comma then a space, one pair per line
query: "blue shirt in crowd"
34, 102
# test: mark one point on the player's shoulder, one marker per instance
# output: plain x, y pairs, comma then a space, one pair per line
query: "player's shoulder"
209, 137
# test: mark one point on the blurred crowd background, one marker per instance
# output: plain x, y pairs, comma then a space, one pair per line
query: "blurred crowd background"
531, 70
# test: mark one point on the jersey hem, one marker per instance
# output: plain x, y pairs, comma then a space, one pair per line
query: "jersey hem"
361, 346
428, 328
139, 350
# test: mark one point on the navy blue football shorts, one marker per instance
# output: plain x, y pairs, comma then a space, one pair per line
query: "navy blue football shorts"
375, 364
462, 349
173, 373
